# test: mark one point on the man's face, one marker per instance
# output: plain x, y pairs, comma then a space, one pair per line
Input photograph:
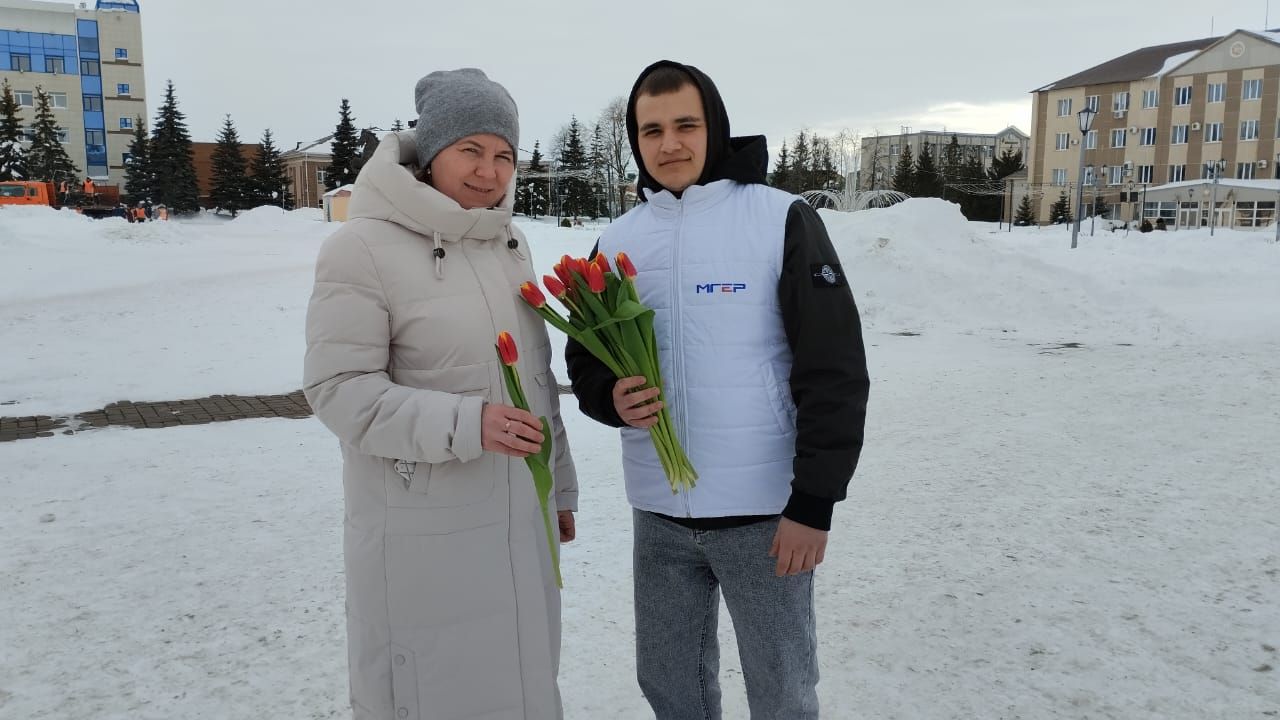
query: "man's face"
673, 137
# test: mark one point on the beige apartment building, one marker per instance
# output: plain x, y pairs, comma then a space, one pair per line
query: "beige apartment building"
879, 153
88, 58
1165, 114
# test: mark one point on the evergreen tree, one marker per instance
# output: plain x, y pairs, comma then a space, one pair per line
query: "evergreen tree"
952, 166
976, 205
574, 187
928, 178
801, 164
137, 173
782, 170
1008, 163
397, 126
12, 163
346, 147
173, 172
1026, 215
1060, 211
1101, 208
231, 188
599, 176
531, 189
904, 176
269, 184
46, 159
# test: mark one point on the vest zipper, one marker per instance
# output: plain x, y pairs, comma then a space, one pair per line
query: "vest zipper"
677, 350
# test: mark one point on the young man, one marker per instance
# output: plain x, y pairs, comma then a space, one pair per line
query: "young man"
765, 376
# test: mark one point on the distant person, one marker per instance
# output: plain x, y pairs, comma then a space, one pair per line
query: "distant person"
452, 605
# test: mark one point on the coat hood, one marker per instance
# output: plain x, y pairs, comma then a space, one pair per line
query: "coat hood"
742, 159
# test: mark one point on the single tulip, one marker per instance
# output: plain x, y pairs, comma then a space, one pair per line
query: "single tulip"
595, 278
602, 261
625, 265
562, 272
533, 295
507, 348
554, 286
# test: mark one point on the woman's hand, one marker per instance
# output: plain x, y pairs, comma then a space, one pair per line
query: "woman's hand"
637, 408
510, 431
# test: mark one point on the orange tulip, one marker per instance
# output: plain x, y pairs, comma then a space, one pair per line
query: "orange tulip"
533, 295
507, 348
562, 272
602, 261
554, 286
595, 278
625, 265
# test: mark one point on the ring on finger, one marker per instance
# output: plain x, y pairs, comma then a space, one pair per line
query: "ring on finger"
507, 427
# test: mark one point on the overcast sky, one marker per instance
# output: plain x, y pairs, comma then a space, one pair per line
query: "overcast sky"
780, 65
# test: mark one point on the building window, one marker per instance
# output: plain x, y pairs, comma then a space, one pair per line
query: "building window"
20, 63
1180, 134
1252, 89
55, 65
1208, 170
320, 176
1064, 107
24, 98
1091, 139
1148, 136
1245, 170
1146, 174
28, 134
1249, 130
1120, 101
1091, 102
1090, 176
1059, 176
92, 103
122, 89
1177, 173
95, 137
1182, 95
122, 54
1118, 138
1062, 141
1213, 132
90, 68
1166, 211
126, 158
1255, 213
1116, 173
58, 100
1150, 98
1217, 92
126, 123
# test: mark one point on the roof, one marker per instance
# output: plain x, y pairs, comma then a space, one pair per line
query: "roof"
311, 147
1139, 64
340, 190
1272, 185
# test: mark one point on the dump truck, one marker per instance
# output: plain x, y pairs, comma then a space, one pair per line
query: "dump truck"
103, 202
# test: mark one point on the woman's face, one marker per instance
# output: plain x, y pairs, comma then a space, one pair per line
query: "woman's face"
474, 171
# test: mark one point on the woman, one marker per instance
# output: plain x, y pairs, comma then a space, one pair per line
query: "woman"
452, 605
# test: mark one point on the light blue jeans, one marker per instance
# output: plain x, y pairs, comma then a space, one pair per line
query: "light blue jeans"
679, 575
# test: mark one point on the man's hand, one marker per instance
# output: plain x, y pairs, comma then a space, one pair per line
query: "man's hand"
799, 548
568, 531
637, 408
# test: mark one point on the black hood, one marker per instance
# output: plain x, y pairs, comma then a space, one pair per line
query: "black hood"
742, 159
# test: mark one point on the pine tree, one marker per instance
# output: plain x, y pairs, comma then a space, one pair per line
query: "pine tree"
575, 189
346, 147
782, 170
1026, 215
1008, 163
137, 173
599, 180
173, 172
825, 168
952, 166
801, 164
928, 178
537, 186
46, 159
12, 163
976, 206
269, 185
904, 176
1101, 208
397, 126
1060, 212
231, 187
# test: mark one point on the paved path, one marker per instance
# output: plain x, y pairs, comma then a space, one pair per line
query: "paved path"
200, 411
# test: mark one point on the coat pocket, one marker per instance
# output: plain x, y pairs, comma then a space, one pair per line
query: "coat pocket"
404, 683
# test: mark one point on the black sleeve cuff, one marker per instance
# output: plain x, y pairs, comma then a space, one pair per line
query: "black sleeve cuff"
808, 510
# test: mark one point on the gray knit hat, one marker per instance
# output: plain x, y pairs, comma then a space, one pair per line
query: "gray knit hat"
453, 104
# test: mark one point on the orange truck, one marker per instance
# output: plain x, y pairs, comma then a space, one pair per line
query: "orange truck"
30, 192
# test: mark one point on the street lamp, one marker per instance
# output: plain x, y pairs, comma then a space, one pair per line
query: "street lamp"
1085, 117
1217, 169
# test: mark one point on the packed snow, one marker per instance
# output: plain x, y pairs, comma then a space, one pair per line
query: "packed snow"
1066, 508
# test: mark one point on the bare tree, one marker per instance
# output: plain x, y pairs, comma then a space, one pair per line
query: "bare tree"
617, 147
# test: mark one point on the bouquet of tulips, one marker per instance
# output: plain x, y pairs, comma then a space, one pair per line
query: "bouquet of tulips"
607, 318
540, 462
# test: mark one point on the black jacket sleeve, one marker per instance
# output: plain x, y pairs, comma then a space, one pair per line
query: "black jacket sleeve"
829, 380
592, 381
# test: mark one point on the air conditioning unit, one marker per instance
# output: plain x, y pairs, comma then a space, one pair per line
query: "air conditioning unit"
1128, 167
1195, 126
1262, 163
1117, 113
1133, 128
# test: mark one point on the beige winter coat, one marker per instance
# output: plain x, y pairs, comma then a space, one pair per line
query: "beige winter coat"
452, 607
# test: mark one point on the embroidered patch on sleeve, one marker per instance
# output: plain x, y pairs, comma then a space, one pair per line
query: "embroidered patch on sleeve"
827, 276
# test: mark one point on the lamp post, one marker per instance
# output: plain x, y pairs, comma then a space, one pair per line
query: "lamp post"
1085, 117
1217, 169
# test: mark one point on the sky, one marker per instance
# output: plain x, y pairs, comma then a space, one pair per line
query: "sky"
781, 66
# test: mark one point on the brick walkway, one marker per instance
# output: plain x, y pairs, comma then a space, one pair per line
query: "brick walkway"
200, 411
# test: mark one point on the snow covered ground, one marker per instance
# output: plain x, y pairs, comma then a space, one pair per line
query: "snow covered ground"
1067, 506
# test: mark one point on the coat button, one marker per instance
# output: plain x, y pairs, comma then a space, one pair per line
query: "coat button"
399, 659
402, 712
